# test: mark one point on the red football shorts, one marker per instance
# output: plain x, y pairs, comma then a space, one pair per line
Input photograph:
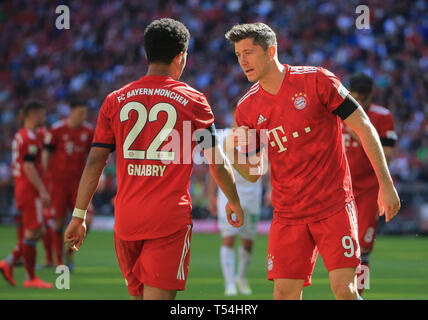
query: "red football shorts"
293, 249
63, 196
32, 213
368, 215
161, 263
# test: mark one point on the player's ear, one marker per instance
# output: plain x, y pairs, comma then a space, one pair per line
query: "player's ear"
184, 58
272, 52
179, 59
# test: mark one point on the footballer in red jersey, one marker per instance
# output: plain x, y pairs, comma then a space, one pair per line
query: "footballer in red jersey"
67, 146
295, 114
364, 182
150, 123
30, 193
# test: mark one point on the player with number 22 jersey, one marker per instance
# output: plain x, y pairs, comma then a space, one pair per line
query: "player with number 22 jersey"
154, 123
152, 104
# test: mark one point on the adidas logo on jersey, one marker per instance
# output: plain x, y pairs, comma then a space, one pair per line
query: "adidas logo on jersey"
261, 119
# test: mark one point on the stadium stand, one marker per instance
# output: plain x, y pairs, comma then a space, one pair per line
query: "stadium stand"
102, 50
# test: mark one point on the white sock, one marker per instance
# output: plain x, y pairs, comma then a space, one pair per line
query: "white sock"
227, 261
244, 262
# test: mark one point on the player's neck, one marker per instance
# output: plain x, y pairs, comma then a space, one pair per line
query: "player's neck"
31, 125
71, 124
160, 69
272, 80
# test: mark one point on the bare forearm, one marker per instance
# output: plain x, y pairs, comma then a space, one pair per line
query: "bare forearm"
221, 171
212, 195
212, 186
87, 186
373, 148
359, 122
34, 177
223, 176
388, 151
90, 179
250, 172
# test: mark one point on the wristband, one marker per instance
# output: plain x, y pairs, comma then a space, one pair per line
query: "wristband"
79, 213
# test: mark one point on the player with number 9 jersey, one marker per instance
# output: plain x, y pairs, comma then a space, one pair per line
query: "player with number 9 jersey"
295, 112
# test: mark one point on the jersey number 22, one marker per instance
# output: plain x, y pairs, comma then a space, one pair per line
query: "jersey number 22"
152, 152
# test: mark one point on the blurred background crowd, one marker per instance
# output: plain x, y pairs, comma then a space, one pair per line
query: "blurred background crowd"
103, 50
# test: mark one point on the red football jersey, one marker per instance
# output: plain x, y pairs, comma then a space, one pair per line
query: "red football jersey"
69, 149
142, 120
309, 171
26, 146
362, 173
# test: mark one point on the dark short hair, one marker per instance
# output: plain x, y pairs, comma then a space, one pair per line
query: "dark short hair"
361, 83
29, 107
74, 103
261, 34
164, 39
32, 105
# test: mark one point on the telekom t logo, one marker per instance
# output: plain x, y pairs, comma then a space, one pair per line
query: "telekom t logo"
278, 141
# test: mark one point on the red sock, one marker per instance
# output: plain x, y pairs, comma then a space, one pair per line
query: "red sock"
30, 253
16, 254
20, 236
57, 238
47, 244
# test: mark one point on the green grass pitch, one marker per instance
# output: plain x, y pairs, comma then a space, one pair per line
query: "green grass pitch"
399, 270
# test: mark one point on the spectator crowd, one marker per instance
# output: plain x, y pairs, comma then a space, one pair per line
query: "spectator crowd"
103, 50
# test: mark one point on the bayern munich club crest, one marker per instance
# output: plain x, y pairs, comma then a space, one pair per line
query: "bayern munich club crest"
300, 100
270, 262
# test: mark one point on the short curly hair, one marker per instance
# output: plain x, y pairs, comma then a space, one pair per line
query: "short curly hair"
261, 34
164, 39
32, 105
